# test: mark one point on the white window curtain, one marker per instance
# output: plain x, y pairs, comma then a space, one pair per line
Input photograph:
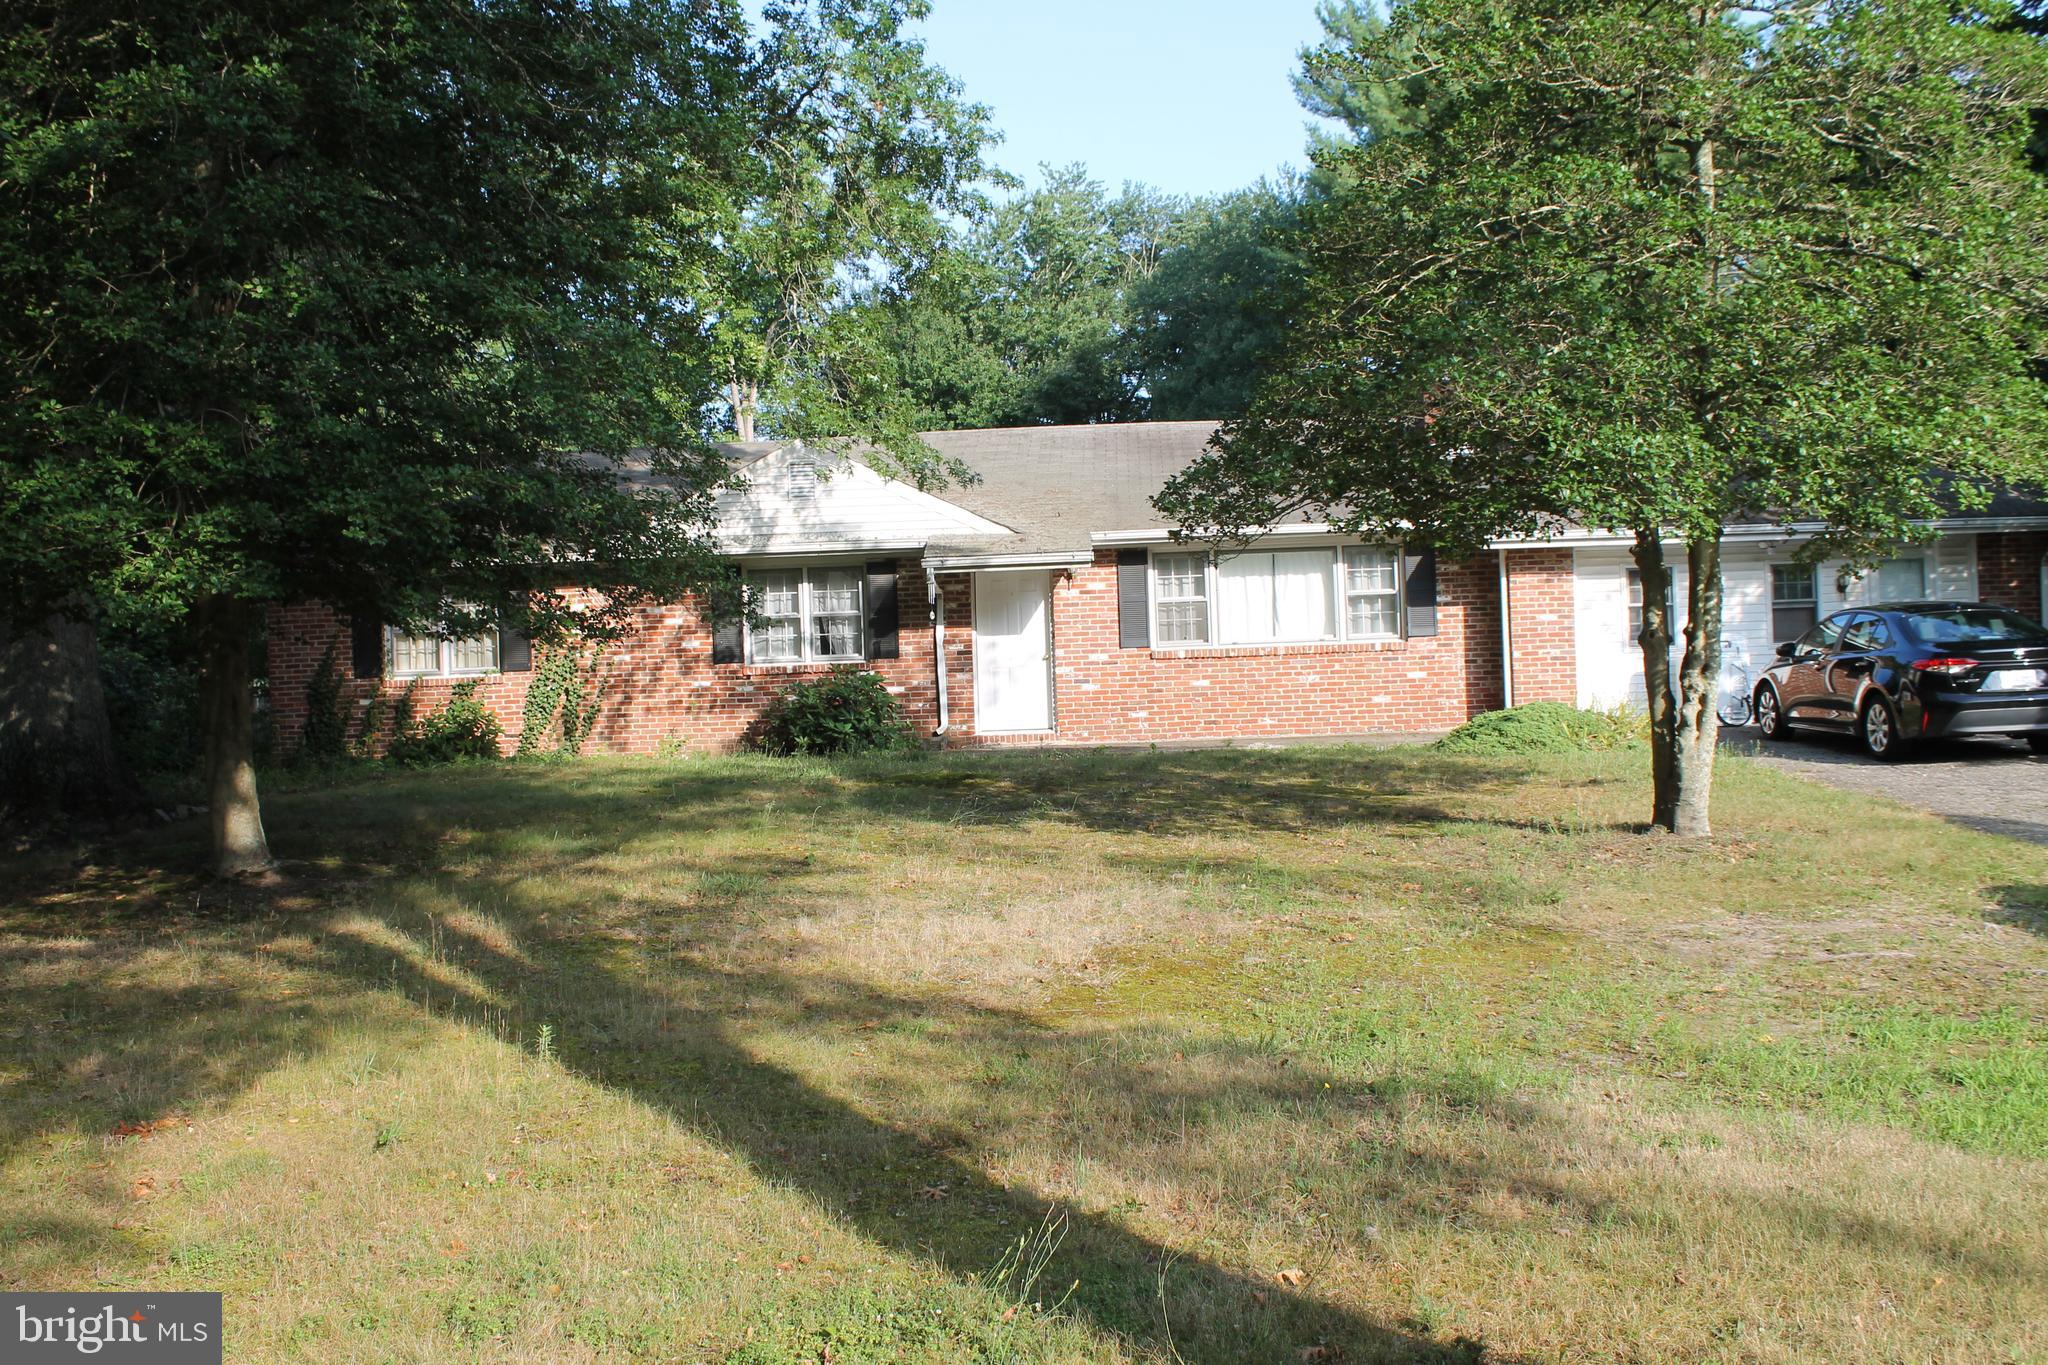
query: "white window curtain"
813, 615
1280, 596
431, 656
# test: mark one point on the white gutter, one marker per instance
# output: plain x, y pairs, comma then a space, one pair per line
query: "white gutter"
1507, 638
1047, 559
756, 550
1581, 535
937, 598
1159, 536
1752, 535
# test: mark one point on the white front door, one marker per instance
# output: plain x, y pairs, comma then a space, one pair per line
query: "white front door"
1012, 652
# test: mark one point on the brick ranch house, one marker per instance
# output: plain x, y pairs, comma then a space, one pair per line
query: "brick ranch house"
1046, 602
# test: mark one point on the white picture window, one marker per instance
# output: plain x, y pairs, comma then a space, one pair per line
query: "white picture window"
807, 615
1902, 580
429, 656
1301, 596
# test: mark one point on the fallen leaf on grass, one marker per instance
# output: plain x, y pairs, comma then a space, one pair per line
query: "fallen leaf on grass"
151, 1127
143, 1188
1290, 1277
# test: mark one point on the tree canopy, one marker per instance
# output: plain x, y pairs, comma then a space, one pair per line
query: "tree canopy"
1653, 268
368, 300
865, 156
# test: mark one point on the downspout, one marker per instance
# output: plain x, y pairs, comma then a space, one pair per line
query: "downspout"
937, 599
1507, 642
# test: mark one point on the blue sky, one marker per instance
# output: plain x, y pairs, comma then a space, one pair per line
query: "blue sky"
1191, 96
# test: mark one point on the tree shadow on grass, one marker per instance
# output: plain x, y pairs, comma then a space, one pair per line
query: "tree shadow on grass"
684, 1035
675, 1036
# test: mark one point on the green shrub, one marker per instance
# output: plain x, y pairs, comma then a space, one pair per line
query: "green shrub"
1543, 727
846, 711
464, 728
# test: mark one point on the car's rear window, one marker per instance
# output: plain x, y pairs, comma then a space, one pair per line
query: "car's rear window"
1972, 626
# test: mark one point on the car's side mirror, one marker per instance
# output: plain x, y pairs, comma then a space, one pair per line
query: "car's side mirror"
1789, 649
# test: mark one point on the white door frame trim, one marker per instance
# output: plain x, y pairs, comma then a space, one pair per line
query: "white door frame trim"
1051, 695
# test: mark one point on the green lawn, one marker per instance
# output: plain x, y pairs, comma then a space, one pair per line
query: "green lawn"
1336, 1054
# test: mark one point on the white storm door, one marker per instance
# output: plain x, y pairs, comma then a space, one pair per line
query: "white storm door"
1012, 652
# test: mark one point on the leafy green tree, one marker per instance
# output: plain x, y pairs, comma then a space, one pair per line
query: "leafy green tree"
1024, 323
1215, 303
317, 302
1655, 267
1332, 85
865, 156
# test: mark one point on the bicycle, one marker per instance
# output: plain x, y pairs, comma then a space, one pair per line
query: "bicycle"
1736, 704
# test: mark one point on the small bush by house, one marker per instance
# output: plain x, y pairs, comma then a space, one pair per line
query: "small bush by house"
464, 728
1543, 727
845, 711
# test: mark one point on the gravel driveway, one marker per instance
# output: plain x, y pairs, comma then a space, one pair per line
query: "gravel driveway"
1987, 784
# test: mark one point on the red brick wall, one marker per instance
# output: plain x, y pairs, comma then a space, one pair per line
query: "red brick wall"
1105, 693
658, 682
2009, 569
1541, 626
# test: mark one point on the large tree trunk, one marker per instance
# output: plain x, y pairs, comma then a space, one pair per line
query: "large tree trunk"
56, 748
1684, 729
226, 632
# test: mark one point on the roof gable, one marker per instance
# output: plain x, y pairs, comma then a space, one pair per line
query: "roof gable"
797, 498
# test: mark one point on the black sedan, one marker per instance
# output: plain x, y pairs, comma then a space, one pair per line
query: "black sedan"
1899, 672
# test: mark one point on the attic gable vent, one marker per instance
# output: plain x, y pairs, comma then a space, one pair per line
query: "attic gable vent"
803, 474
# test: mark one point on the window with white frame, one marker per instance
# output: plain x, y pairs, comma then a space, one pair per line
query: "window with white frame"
811, 615
1372, 592
1180, 588
1290, 596
1902, 580
430, 656
1635, 600
1795, 600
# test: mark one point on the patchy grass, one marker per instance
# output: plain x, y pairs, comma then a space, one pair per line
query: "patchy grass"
1328, 1054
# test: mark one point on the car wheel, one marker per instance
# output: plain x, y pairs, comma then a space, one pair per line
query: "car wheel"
1770, 717
1879, 730
2038, 743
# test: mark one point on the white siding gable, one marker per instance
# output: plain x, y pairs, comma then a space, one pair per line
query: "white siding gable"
798, 500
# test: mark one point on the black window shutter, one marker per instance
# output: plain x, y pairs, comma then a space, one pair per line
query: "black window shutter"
1419, 572
1133, 600
515, 652
882, 640
727, 641
366, 646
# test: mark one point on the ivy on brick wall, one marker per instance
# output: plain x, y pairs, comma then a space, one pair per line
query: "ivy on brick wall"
561, 700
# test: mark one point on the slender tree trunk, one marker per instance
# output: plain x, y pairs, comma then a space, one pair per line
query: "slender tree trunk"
1684, 729
56, 747
745, 399
1699, 679
1655, 640
226, 631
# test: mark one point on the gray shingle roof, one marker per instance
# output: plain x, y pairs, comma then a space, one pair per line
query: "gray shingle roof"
1055, 485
